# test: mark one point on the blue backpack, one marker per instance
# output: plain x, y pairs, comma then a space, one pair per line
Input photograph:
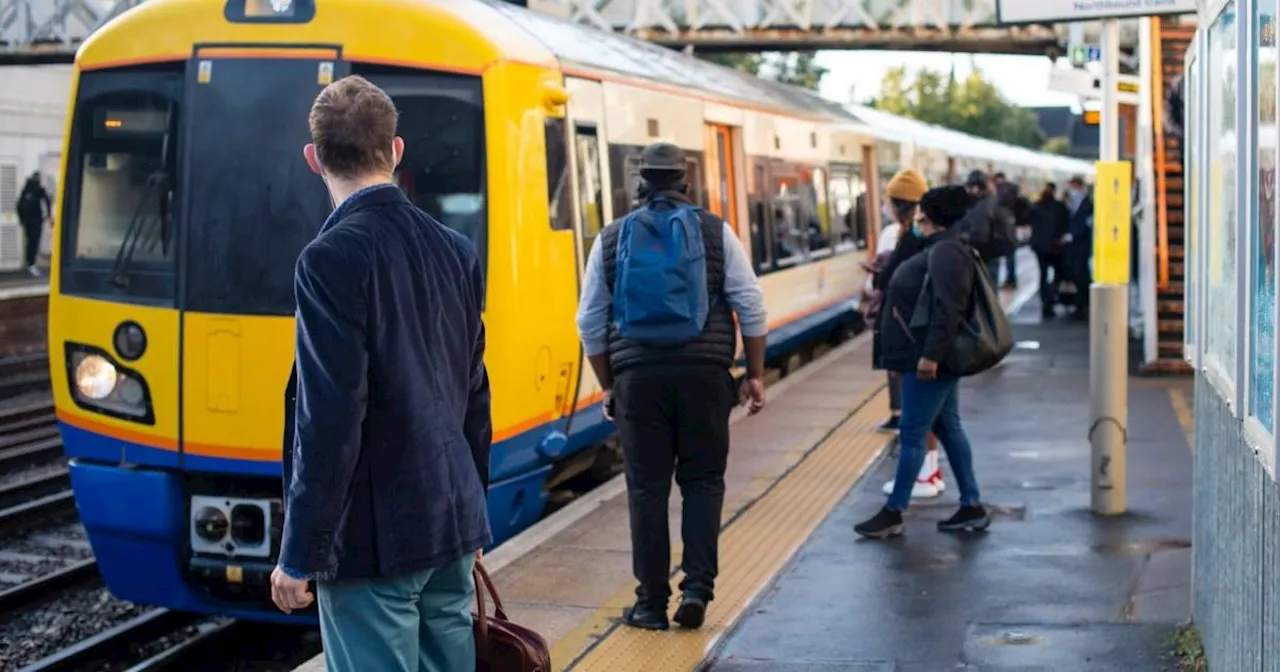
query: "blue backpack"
660, 285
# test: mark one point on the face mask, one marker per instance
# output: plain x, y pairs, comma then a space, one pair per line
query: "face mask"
915, 230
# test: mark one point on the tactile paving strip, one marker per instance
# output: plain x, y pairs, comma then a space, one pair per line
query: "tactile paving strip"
753, 548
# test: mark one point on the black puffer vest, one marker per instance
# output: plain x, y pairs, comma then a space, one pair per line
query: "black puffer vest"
717, 342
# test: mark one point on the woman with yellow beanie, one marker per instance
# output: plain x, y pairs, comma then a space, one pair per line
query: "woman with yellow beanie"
896, 244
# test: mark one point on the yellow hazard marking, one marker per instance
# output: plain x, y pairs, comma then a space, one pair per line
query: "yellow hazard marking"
235, 574
753, 548
204, 73
1186, 418
1112, 197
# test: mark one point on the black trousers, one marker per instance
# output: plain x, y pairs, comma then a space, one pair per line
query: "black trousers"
32, 228
674, 420
1050, 262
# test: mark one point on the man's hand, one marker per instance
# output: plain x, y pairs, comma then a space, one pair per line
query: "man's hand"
752, 391
926, 369
289, 593
608, 405
479, 554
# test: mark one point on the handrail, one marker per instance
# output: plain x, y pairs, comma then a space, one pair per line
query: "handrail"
1157, 125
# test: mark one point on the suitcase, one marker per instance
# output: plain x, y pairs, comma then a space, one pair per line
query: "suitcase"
503, 646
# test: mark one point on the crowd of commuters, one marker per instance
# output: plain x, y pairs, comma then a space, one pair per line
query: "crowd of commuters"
385, 496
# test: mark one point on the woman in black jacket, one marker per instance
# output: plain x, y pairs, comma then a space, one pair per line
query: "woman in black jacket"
930, 393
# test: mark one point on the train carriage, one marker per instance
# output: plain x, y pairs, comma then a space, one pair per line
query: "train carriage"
185, 201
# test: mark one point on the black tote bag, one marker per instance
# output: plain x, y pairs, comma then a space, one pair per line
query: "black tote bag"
985, 336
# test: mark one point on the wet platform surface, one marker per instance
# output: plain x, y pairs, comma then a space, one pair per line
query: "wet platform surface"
1048, 587
569, 577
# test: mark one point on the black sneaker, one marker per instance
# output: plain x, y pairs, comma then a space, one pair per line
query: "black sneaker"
890, 426
967, 519
691, 612
645, 617
887, 523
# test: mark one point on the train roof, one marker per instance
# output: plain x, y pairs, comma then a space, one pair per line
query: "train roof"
479, 37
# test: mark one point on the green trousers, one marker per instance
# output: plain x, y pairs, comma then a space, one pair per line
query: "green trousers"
419, 622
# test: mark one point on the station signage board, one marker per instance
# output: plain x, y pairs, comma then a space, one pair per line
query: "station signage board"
1068, 11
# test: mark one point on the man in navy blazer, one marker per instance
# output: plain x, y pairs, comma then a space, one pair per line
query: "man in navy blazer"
387, 458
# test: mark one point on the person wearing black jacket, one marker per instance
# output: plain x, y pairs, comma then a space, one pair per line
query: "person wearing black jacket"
1050, 223
944, 273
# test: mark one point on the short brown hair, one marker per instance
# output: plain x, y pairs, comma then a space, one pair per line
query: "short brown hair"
352, 125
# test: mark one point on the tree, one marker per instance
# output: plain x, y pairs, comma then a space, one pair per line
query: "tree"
748, 63
972, 106
1058, 145
796, 69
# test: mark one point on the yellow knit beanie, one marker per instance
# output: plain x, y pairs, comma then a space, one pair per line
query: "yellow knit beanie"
907, 185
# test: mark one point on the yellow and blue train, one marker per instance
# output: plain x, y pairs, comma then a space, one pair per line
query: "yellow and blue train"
185, 201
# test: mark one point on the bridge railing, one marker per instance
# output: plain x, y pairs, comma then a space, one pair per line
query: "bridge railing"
49, 31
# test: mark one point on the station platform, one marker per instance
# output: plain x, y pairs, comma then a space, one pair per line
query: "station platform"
569, 576
20, 285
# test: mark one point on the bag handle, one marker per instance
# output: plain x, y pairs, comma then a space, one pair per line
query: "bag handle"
484, 584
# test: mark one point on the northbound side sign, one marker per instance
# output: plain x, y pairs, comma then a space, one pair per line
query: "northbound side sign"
1066, 11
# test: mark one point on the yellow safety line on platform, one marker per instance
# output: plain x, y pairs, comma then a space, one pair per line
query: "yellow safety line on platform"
1178, 399
753, 548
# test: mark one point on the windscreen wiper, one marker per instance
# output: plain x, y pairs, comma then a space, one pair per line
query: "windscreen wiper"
157, 182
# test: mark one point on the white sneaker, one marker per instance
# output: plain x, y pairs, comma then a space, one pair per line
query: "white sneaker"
921, 490
937, 482
33, 271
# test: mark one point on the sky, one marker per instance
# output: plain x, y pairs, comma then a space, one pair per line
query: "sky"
1022, 79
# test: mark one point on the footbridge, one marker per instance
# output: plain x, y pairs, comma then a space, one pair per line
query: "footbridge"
49, 31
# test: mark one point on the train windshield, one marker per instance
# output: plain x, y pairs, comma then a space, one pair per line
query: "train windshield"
253, 203
119, 237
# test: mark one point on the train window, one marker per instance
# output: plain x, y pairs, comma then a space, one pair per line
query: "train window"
847, 193
820, 218
443, 168
121, 238
697, 188
590, 185
761, 251
560, 203
790, 226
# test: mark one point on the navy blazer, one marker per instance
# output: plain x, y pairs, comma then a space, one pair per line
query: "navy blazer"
386, 455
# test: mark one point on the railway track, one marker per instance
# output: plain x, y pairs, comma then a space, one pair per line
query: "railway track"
23, 373
35, 487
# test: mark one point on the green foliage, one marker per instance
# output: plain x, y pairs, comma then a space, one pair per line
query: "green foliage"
972, 106
748, 63
796, 69
1058, 145
1187, 650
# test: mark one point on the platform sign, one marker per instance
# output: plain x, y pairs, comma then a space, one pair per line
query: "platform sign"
1111, 222
1065, 11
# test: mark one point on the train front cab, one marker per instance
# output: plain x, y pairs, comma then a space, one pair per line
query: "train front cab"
185, 204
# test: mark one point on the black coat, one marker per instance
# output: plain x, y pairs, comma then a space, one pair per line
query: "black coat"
388, 471
948, 264
1050, 221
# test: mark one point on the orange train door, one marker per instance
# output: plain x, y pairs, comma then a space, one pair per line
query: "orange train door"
720, 174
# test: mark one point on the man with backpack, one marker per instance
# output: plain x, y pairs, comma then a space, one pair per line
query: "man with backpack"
34, 206
989, 226
659, 295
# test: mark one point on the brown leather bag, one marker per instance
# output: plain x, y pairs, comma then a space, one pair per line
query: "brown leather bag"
503, 646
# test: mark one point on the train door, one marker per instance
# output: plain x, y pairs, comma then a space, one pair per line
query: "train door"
721, 174
589, 159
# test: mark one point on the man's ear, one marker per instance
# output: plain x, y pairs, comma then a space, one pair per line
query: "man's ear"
313, 160
397, 148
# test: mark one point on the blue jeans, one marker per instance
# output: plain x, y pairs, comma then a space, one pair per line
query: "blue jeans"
419, 622
931, 405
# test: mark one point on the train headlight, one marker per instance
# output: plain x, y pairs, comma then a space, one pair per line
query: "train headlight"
99, 383
211, 524
95, 377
